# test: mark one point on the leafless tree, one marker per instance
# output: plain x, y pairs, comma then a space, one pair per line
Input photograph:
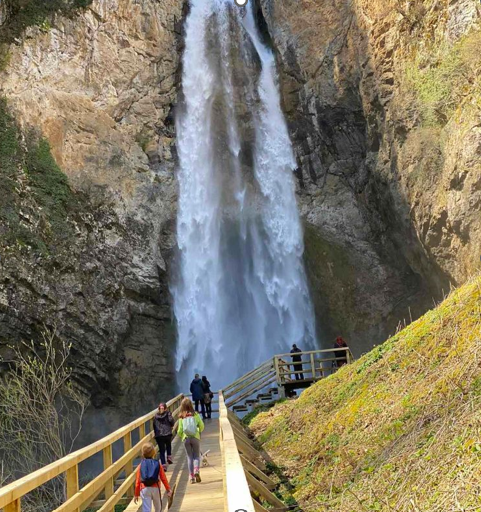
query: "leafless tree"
41, 411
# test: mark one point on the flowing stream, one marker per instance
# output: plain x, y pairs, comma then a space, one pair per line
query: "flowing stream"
240, 295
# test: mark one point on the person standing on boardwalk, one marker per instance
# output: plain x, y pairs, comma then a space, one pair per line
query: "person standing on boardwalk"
197, 390
208, 396
340, 355
163, 425
189, 430
147, 484
296, 358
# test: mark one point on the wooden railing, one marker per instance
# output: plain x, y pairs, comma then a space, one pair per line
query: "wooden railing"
237, 496
250, 383
313, 366
76, 498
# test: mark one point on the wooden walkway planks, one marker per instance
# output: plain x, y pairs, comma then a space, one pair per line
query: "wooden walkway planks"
209, 494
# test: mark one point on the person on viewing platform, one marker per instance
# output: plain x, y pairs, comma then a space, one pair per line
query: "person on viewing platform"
295, 359
189, 430
197, 390
163, 425
208, 396
149, 476
340, 355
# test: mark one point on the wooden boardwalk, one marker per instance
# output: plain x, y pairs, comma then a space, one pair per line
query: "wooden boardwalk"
235, 478
209, 494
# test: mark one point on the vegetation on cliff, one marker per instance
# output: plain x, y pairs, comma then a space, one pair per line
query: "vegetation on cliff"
446, 78
21, 14
25, 13
37, 200
399, 430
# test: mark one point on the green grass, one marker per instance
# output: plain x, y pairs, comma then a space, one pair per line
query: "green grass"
402, 425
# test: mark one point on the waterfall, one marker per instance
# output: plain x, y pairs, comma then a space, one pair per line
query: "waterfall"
240, 295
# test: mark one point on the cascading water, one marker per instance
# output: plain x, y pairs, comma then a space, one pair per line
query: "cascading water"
241, 294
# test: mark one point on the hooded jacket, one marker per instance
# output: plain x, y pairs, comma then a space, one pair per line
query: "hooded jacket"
163, 424
197, 389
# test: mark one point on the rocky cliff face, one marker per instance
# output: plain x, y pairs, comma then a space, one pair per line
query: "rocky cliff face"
383, 105
383, 100
100, 88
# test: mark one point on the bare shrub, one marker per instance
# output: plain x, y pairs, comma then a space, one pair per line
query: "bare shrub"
41, 413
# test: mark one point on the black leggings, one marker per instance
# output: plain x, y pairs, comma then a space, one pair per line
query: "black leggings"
208, 409
202, 407
165, 444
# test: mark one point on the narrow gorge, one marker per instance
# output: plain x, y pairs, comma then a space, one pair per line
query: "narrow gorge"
367, 114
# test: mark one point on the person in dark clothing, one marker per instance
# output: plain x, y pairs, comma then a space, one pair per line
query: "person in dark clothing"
295, 359
197, 390
163, 425
208, 396
340, 355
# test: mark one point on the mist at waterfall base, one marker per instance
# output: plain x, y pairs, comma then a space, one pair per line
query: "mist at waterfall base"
240, 293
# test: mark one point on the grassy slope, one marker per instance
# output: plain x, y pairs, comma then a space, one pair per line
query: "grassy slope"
399, 430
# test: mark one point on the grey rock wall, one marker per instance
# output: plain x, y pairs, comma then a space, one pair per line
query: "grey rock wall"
101, 87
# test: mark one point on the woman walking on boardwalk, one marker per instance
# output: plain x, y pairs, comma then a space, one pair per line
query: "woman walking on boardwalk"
189, 430
208, 396
163, 425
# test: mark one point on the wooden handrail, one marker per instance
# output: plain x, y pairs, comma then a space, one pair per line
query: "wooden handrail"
238, 496
320, 351
11, 494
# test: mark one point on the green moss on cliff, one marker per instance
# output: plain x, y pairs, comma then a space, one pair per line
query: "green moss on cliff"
22, 14
37, 200
331, 272
400, 429
444, 77
26, 13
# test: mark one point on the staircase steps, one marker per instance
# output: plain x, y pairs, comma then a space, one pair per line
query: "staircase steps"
240, 408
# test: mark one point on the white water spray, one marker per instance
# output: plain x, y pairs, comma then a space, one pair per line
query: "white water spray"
241, 294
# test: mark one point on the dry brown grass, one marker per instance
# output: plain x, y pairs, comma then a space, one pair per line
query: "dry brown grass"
400, 430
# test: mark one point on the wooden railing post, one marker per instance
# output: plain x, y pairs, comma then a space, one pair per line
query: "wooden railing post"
108, 461
129, 468
276, 366
72, 483
313, 367
15, 506
350, 359
142, 431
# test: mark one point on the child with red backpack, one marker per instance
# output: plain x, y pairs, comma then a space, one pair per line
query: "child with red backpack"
149, 476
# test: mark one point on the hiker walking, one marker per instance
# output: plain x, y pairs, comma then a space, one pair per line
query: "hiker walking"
163, 425
147, 484
189, 430
208, 396
296, 358
197, 390
340, 355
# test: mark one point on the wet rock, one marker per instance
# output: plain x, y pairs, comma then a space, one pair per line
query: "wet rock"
386, 198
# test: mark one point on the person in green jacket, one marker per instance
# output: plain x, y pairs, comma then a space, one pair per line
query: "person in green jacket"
189, 429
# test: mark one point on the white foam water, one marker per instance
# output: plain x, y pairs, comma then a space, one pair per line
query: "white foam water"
240, 295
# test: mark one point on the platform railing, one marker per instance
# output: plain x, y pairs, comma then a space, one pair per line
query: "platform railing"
237, 492
312, 366
79, 498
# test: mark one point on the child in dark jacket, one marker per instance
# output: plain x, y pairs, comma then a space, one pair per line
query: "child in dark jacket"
163, 425
149, 491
